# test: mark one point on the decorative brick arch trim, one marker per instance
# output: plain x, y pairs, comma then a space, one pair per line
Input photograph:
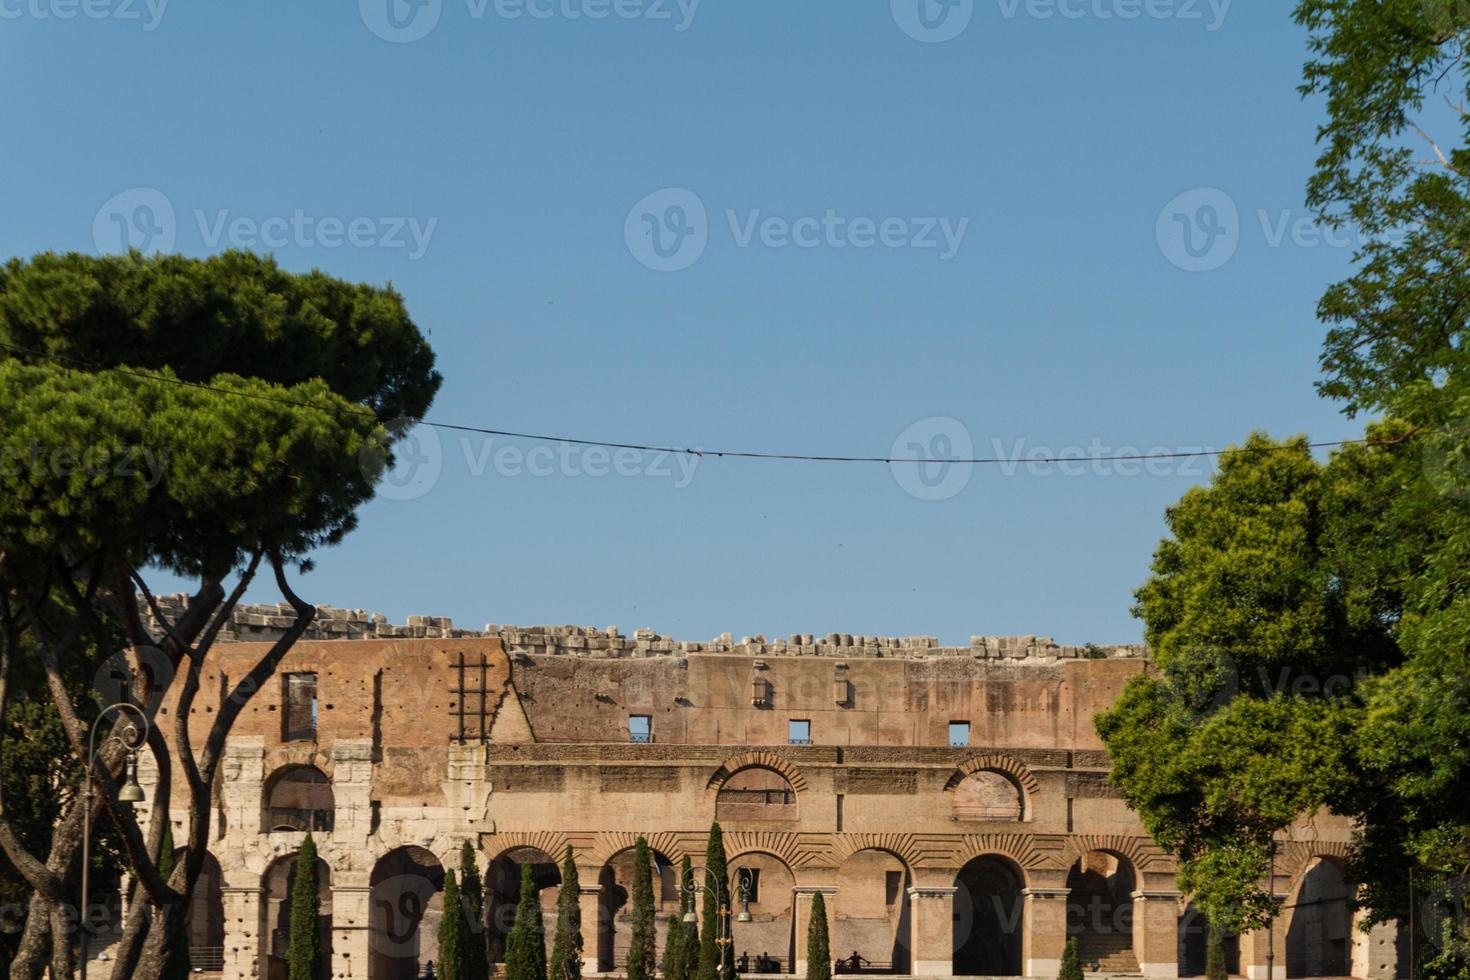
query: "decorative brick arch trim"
996, 762
758, 759
667, 843
1139, 852
1296, 857
790, 849
1019, 848
905, 847
290, 756
548, 842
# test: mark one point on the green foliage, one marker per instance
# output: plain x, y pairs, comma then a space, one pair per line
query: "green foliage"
525, 947
689, 954
1215, 966
818, 946
178, 966
303, 942
476, 936
567, 944
673, 966
1071, 966
642, 945
716, 960
451, 932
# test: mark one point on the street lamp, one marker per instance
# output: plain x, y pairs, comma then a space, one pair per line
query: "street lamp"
742, 889
131, 738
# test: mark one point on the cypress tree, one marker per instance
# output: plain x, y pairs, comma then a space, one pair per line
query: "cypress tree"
304, 943
716, 960
472, 897
1215, 968
525, 947
643, 946
566, 946
689, 955
1071, 968
178, 966
451, 933
674, 944
818, 948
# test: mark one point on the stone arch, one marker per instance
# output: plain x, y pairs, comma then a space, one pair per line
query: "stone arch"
503, 891
999, 762
1193, 945
607, 846
756, 793
771, 906
902, 846
988, 917
760, 759
1100, 887
297, 798
1319, 930
1020, 849
1136, 851
871, 910
404, 909
275, 911
614, 925
548, 842
795, 850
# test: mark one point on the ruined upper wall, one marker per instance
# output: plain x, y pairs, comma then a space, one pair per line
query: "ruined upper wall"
267, 622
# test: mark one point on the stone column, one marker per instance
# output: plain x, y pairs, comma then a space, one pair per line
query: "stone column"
1375, 952
931, 920
1254, 944
244, 946
1156, 932
1044, 933
804, 895
591, 924
351, 932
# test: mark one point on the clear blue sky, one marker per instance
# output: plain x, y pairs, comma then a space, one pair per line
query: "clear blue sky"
1059, 321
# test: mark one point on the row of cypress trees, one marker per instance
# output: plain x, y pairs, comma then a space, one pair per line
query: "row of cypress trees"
692, 950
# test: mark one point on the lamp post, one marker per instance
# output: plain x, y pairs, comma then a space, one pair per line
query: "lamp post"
131, 738
742, 890
723, 937
1271, 923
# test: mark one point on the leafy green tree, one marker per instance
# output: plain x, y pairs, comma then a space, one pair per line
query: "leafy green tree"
472, 898
716, 959
451, 932
1215, 965
673, 967
642, 961
303, 940
206, 417
1071, 966
566, 944
689, 953
818, 946
525, 947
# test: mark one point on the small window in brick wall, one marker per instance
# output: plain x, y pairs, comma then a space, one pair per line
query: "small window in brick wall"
959, 734
799, 732
298, 722
640, 729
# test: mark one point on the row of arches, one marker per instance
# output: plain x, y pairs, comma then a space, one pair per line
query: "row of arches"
869, 913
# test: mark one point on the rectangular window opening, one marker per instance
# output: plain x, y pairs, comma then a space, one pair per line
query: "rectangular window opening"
640, 729
299, 720
799, 732
959, 734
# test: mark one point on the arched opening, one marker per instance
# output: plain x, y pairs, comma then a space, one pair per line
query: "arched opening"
279, 879
204, 922
615, 925
764, 886
1319, 939
870, 925
1194, 945
406, 904
504, 893
987, 918
986, 795
298, 799
755, 793
1100, 912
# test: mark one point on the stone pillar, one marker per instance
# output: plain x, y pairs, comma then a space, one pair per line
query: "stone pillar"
1254, 944
591, 924
931, 921
1375, 953
352, 790
244, 946
351, 932
1044, 933
804, 895
1156, 932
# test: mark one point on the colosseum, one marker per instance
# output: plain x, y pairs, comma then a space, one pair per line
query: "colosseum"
952, 803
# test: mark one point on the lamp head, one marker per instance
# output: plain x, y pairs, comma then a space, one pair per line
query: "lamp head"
131, 791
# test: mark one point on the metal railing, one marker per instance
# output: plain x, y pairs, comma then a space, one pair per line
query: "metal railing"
206, 959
